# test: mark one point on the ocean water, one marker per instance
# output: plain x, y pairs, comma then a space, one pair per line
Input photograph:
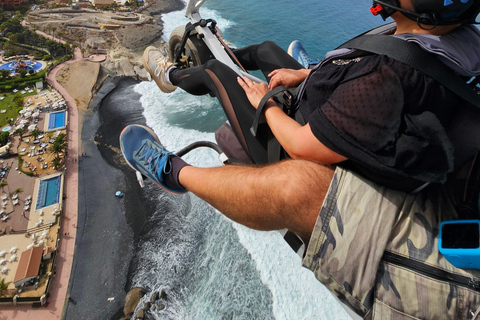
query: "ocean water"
209, 266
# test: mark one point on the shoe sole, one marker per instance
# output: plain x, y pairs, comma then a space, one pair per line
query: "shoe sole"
158, 140
152, 75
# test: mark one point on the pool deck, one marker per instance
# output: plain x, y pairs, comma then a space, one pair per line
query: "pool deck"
59, 284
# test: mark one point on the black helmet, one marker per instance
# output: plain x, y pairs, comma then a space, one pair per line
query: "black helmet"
432, 12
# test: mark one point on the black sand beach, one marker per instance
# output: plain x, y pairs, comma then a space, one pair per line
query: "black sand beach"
108, 227
105, 237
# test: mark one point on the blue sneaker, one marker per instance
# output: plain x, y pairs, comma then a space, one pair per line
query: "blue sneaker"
298, 52
144, 152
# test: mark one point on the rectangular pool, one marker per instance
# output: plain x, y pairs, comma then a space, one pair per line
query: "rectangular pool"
56, 120
48, 192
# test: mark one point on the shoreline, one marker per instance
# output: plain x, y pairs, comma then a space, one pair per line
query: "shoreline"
102, 238
96, 255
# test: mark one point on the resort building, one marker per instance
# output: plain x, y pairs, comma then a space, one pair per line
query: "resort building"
14, 3
28, 267
98, 3
31, 199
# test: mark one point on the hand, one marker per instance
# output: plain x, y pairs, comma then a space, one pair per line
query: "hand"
287, 77
254, 91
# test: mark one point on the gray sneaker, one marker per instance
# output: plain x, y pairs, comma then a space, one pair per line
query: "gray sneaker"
157, 65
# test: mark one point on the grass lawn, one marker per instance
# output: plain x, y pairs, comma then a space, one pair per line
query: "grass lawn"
8, 101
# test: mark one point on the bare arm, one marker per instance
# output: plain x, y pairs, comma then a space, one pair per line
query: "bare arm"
297, 140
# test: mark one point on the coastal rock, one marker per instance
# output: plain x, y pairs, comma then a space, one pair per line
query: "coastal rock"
162, 301
132, 299
141, 73
125, 68
142, 312
154, 297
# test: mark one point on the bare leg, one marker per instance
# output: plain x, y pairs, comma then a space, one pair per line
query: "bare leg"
287, 194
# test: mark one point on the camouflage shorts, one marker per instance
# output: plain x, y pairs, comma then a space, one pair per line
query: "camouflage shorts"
368, 243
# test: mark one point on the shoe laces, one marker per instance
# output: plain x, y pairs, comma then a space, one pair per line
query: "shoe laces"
306, 58
161, 64
155, 158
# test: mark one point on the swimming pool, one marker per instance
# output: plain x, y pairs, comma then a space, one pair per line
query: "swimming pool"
12, 66
48, 192
56, 120
6, 128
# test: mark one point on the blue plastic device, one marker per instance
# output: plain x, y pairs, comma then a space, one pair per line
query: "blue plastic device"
459, 242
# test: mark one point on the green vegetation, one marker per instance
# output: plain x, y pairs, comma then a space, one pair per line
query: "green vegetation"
4, 138
20, 168
19, 40
57, 147
10, 104
3, 287
28, 39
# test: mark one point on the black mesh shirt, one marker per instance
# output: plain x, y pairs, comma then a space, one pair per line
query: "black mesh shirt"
387, 118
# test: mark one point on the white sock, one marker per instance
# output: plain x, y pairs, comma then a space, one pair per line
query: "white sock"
167, 74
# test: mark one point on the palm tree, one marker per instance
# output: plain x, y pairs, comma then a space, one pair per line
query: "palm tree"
35, 133
56, 162
3, 287
18, 190
59, 145
19, 132
5, 73
53, 29
3, 184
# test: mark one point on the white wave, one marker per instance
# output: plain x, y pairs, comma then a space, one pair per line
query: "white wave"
296, 292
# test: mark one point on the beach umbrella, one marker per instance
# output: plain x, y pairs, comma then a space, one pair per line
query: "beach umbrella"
3, 261
13, 249
35, 114
27, 114
24, 121
30, 109
22, 111
2, 253
32, 127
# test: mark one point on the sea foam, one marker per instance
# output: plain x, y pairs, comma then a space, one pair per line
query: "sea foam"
296, 294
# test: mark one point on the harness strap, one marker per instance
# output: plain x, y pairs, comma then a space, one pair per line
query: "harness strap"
261, 106
414, 56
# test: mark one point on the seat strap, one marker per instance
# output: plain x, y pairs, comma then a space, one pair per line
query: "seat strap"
261, 106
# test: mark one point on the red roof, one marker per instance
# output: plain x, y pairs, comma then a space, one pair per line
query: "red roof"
29, 264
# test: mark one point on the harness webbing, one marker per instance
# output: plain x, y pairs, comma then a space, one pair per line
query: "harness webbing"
414, 56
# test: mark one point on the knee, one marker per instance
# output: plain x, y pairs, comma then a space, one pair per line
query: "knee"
266, 48
268, 45
212, 63
304, 184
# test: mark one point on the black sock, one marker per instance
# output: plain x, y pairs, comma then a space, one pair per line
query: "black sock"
171, 179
